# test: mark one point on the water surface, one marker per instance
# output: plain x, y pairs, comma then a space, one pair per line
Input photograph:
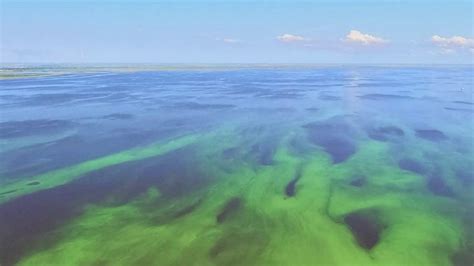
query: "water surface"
238, 166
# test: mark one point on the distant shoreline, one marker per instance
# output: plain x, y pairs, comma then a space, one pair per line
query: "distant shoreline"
32, 70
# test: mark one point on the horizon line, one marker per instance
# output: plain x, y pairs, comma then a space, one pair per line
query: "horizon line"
3, 64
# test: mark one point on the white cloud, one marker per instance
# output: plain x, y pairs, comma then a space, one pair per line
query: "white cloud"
355, 36
452, 42
291, 38
229, 40
453, 45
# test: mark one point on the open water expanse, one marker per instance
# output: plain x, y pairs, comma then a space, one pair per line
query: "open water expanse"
328, 165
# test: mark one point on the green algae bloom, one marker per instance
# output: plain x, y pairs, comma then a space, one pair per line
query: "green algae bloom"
249, 172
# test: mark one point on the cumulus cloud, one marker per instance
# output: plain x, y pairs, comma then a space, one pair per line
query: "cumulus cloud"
452, 42
355, 36
291, 38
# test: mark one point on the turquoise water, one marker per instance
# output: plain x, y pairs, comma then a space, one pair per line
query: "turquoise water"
238, 166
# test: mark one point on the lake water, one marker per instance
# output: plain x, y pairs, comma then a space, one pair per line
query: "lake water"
243, 166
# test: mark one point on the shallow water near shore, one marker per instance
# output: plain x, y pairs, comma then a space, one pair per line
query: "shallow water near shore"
330, 165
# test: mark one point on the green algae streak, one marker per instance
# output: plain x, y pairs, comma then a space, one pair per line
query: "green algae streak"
67, 174
269, 228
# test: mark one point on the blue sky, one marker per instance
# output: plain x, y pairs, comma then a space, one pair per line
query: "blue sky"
238, 31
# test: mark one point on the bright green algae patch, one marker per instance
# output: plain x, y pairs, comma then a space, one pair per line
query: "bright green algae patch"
246, 218
67, 174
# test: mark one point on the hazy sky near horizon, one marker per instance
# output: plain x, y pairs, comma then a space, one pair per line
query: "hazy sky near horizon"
238, 31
